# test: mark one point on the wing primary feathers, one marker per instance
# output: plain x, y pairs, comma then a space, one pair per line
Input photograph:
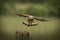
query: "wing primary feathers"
23, 15
41, 19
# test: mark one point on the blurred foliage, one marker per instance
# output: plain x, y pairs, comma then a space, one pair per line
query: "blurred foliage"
32, 10
32, 1
35, 11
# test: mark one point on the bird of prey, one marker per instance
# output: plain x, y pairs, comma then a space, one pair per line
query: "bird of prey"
30, 21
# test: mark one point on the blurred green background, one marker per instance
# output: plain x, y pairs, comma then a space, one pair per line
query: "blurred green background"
9, 23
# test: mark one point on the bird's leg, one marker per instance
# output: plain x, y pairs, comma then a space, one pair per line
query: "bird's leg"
29, 22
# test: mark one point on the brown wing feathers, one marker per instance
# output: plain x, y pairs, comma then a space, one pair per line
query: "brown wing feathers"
40, 19
23, 15
37, 18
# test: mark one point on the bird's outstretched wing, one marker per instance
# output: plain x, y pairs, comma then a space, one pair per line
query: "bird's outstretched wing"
22, 15
37, 18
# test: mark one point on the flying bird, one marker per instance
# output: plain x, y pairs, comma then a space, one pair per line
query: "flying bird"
30, 21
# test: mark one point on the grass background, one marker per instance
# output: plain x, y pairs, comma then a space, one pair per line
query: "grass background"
43, 31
